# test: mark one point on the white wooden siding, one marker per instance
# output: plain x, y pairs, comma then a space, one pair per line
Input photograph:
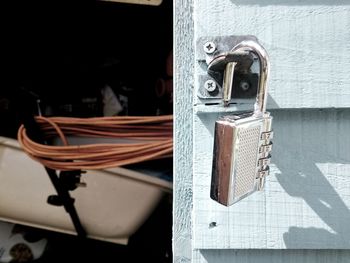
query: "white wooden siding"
183, 83
306, 203
308, 43
272, 256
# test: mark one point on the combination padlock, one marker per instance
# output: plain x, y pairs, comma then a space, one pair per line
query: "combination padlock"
242, 142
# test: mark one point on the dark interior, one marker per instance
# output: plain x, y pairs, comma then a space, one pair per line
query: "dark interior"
63, 53
66, 51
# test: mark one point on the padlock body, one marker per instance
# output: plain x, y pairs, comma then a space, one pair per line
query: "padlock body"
236, 155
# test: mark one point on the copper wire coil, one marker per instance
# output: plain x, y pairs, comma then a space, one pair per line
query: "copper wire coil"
151, 137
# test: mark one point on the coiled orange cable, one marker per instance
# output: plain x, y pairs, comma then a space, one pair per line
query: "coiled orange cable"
147, 138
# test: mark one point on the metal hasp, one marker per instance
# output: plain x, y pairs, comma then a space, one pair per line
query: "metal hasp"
214, 58
242, 143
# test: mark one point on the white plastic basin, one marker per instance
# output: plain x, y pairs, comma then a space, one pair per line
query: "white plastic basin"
112, 207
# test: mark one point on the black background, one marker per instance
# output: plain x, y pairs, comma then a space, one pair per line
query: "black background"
64, 50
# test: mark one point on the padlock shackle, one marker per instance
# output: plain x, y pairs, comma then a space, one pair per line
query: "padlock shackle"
255, 47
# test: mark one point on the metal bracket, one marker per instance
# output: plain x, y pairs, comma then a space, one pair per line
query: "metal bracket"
212, 55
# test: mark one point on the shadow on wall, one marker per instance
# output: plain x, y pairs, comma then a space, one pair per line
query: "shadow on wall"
290, 2
306, 141
311, 151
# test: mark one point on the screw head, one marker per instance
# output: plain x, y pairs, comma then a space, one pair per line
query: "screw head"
210, 85
209, 47
244, 85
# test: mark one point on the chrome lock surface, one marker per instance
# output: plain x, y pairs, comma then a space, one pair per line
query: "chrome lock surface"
242, 142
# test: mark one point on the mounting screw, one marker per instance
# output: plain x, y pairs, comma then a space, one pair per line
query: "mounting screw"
244, 85
212, 224
209, 47
210, 85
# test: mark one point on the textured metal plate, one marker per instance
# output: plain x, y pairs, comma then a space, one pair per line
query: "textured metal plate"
246, 162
